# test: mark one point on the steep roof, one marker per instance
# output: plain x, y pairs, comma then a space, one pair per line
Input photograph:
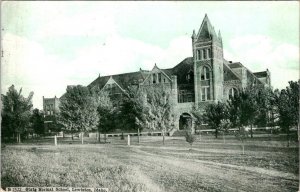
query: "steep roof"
100, 81
129, 78
206, 30
229, 74
261, 74
181, 69
123, 80
235, 65
168, 72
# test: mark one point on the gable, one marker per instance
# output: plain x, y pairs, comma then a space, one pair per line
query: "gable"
157, 76
112, 85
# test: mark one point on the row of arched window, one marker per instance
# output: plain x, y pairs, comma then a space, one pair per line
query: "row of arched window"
203, 54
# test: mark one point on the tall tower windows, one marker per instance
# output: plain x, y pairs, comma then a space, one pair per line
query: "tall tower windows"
198, 54
204, 54
205, 93
209, 55
205, 73
206, 83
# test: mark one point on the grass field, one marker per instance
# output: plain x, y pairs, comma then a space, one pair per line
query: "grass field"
211, 165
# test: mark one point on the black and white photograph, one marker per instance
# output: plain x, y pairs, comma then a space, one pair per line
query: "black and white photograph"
150, 96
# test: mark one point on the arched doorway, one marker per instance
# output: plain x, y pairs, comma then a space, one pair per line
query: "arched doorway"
185, 121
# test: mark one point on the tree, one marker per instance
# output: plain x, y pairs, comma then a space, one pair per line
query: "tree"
263, 99
287, 101
16, 112
106, 113
131, 111
189, 137
248, 107
37, 120
237, 114
197, 115
214, 115
78, 110
242, 108
242, 135
158, 108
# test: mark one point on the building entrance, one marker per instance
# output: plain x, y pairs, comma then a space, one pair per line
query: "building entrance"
185, 121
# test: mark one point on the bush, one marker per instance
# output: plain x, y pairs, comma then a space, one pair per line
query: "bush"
189, 137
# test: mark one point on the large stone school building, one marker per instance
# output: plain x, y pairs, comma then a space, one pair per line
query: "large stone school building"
196, 81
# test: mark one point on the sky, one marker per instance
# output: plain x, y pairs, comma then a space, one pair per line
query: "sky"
48, 45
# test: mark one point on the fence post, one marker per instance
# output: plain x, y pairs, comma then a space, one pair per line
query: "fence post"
128, 140
55, 140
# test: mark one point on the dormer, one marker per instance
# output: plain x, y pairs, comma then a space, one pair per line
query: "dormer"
157, 76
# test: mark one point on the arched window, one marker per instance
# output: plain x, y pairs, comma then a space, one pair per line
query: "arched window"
205, 73
204, 54
153, 78
209, 55
206, 84
198, 55
232, 92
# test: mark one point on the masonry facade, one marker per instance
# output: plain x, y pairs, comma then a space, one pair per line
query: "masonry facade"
196, 81
51, 109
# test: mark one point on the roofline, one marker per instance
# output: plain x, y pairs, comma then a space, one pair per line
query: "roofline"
111, 77
231, 70
161, 70
247, 70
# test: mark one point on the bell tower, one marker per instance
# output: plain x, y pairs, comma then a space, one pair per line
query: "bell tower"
208, 64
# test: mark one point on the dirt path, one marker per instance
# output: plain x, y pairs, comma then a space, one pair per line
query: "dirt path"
178, 174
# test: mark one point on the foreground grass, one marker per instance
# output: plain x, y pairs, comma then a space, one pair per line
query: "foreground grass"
149, 166
72, 167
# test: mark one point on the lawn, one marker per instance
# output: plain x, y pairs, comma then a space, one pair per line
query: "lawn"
210, 165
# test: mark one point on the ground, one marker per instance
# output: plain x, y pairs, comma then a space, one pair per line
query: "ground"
209, 165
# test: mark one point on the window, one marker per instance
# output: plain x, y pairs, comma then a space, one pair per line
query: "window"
209, 55
185, 96
204, 54
205, 73
232, 92
154, 78
205, 93
206, 84
159, 77
198, 55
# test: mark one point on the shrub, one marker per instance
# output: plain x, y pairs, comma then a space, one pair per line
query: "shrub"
189, 137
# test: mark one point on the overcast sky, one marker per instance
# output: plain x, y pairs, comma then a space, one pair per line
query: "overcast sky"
49, 45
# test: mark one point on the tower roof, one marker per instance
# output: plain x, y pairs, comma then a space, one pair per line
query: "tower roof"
206, 30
